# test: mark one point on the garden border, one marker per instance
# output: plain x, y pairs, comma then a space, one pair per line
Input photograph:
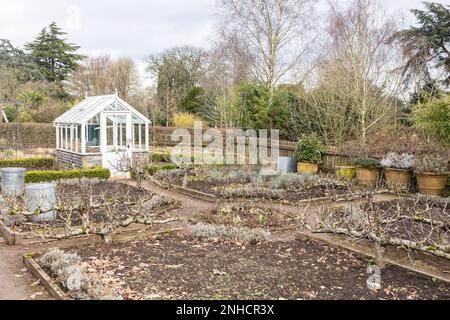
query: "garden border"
15, 238
52, 287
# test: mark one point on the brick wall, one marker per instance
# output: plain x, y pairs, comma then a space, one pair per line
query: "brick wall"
70, 160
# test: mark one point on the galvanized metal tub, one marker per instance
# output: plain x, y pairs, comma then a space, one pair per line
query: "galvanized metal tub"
13, 181
287, 165
41, 197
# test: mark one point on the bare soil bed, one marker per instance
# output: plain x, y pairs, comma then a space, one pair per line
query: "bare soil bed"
183, 268
118, 195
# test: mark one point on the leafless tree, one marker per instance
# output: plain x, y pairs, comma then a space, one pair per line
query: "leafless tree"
136, 165
102, 75
360, 64
273, 31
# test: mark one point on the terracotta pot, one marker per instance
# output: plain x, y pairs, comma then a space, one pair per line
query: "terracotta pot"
311, 168
432, 183
346, 173
398, 179
368, 177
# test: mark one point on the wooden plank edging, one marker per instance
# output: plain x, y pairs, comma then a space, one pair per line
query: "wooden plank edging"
54, 290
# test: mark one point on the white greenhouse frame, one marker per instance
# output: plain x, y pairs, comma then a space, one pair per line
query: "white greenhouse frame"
102, 125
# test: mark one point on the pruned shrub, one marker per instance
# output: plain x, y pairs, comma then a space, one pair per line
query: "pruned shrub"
432, 164
218, 177
160, 157
164, 175
309, 150
47, 176
366, 162
293, 181
398, 161
213, 232
153, 169
252, 192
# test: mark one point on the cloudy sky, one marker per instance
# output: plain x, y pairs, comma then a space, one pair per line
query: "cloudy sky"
134, 28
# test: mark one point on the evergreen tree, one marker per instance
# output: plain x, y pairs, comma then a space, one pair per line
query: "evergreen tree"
21, 63
427, 45
55, 56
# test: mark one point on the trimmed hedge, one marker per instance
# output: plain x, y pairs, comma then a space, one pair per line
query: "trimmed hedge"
160, 156
159, 167
47, 176
29, 163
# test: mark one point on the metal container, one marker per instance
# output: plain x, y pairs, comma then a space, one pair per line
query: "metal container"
13, 181
287, 165
41, 196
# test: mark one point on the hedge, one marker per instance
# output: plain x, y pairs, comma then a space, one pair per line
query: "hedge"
29, 163
160, 156
47, 176
153, 169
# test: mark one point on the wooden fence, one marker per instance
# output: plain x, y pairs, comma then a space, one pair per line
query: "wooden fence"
31, 135
162, 137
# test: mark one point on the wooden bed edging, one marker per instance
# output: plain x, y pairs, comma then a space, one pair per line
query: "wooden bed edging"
195, 194
11, 237
54, 290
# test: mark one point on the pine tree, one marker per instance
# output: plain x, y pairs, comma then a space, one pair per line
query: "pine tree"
55, 56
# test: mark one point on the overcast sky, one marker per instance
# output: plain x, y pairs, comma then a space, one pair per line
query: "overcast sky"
134, 28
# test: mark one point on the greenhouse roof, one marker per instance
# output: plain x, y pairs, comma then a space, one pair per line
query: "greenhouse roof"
91, 106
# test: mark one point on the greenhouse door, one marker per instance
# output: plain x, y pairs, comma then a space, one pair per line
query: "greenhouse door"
116, 140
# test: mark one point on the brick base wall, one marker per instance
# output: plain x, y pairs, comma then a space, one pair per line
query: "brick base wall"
70, 160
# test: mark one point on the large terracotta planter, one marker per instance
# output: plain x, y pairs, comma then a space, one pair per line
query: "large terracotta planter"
311, 168
368, 177
398, 179
431, 183
345, 173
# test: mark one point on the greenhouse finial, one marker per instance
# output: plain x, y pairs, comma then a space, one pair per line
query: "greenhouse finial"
117, 92
86, 95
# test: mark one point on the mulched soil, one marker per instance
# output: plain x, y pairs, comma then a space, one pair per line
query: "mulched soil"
74, 193
182, 268
249, 216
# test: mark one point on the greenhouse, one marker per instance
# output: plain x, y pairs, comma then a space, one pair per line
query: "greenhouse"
98, 131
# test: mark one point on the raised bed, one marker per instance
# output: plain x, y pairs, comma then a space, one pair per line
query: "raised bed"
112, 203
213, 190
184, 268
417, 223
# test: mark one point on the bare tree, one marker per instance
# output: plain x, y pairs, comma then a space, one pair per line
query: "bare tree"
363, 62
102, 75
272, 30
